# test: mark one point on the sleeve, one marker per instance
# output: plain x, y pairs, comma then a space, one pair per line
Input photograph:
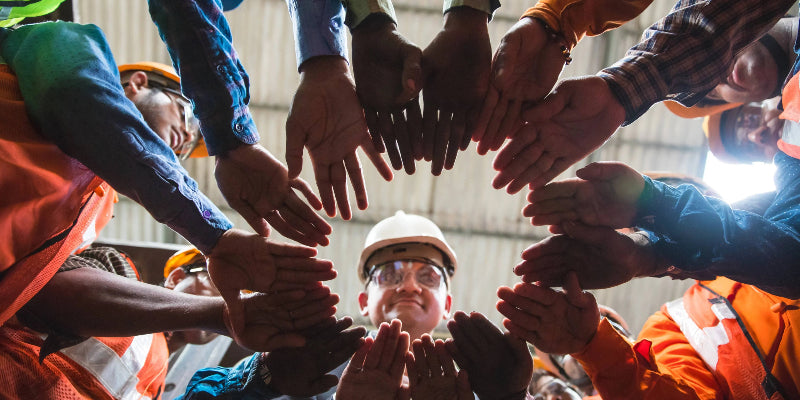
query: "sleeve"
318, 28
685, 54
358, 10
239, 382
575, 19
487, 6
199, 41
71, 87
621, 370
704, 235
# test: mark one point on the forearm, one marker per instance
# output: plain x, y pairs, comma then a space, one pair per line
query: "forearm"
211, 73
78, 104
619, 371
686, 53
318, 28
485, 6
576, 18
704, 235
105, 304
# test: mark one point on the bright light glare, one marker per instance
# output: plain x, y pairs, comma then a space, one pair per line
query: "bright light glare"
737, 181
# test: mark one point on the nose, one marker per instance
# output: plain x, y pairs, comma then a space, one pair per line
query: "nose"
409, 284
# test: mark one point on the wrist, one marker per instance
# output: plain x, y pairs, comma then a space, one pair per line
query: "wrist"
554, 38
375, 22
464, 17
648, 261
323, 66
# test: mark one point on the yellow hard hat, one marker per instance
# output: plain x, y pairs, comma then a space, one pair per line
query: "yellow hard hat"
183, 258
697, 110
167, 76
17, 10
405, 228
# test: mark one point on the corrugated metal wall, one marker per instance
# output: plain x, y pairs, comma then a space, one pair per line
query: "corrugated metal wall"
483, 225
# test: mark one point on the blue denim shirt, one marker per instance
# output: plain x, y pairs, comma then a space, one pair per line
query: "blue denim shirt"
71, 86
240, 382
199, 41
704, 235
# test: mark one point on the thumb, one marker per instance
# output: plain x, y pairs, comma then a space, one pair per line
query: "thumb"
575, 295
462, 385
412, 75
602, 171
250, 215
505, 59
294, 148
548, 108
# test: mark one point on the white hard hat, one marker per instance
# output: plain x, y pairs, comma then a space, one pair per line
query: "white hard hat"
405, 228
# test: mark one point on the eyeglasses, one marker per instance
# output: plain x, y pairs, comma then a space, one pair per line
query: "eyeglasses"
190, 123
194, 268
393, 273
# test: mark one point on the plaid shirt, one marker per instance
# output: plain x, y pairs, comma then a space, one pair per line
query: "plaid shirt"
686, 53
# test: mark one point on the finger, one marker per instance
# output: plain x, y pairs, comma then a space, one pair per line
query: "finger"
463, 387
511, 123
565, 189
466, 348
457, 129
345, 345
339, 181
292, 230
294, 276
548, 108
446, 360
412, 74
575, 295
529, 322
481, 123
533, 297
414, 127
389, 139
411, 369
518, 347
602, 171
547, 246
308, 193
380, 348
544, 162
398, 365
490, 333
357, 361
531, 337
420, 360
493, 135
375, 157
250, 215
374, 129
525, 163
452, 349
353, 166
471, 331
295, 141
545, 269
440, 140
434, 364
299, 213
559, 166
430, 118
322, 174
403, 143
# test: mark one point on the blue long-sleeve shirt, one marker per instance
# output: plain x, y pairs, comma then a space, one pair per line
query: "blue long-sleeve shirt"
703, 235
71, 86
240, 382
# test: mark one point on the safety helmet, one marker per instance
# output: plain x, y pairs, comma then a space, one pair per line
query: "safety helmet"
13, 12
165, 76
698, 110
185, 258
712, 127
405, 228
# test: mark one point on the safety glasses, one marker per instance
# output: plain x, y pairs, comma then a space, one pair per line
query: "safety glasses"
393, 273
190, 123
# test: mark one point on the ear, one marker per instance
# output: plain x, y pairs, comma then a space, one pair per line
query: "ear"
448, 302
177, 275
137, 80
362, 303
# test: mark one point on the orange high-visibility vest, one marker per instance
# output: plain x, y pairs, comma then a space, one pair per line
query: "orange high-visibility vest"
50, 204
789, 142
97, 369
744, 336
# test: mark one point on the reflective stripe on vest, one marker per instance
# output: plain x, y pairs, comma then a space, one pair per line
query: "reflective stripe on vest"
789, 142
705, 341
121, 375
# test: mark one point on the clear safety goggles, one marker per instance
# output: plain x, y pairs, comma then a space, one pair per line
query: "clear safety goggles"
190, 123
393, 273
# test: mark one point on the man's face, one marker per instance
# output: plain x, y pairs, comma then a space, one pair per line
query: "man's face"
755, 131
752, 77
409, 285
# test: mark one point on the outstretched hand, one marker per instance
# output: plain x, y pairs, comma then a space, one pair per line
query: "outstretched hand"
525, 67
326, 118
499, 365
456, 68
601, 257
328, 345
554, 322
376, 370
258, 187
242, 261
569, 124
432, 374
388, 75
605, 194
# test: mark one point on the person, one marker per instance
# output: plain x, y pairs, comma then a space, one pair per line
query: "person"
109, 343
746, 134
581, 113
546, 386
55, 154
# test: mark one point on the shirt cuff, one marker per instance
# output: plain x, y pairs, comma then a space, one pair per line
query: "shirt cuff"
543, 12
487, 6
358, 10
223, 134
318, 28
607, 350
636, 83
